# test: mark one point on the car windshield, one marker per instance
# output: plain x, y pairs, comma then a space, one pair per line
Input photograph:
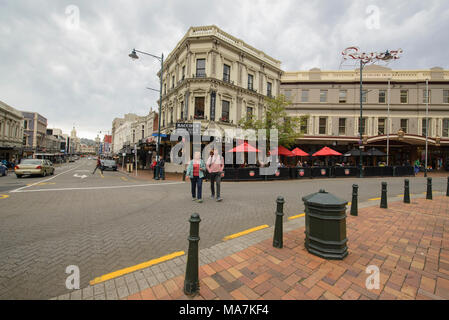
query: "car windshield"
31, 161
109, 162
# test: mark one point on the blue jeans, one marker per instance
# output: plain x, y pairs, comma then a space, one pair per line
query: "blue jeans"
162, 173
197, 183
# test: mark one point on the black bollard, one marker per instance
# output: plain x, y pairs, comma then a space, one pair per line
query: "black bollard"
278, 228
447, 191
191, 282
383, 200
406, 191
354, 203
184, 175
429, 189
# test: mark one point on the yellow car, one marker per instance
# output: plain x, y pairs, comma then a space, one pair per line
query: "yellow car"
34, 167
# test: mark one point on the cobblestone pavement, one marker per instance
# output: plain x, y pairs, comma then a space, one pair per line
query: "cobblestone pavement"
103, 223
408, 243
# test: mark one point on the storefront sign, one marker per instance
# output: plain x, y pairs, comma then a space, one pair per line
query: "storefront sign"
192, 128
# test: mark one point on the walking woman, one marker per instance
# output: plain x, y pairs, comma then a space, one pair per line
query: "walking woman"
215, 165
195, 171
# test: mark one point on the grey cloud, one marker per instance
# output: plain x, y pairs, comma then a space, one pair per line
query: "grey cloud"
85, 76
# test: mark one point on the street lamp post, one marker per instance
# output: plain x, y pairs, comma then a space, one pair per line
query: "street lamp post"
388, 124
365, 58
427, 125
134, 55
361, 119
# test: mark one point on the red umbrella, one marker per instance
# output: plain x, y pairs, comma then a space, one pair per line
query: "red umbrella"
283, 152
326, 152
299, 153
244, 147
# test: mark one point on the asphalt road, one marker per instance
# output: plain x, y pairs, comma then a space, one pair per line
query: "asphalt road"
103, 223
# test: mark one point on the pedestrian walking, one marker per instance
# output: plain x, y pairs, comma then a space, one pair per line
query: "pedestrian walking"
195, 172
417, 166
215, 165
98, 166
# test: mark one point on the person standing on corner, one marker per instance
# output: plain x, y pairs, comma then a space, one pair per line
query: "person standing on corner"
195, 172
161, 169
98, 166
215, 165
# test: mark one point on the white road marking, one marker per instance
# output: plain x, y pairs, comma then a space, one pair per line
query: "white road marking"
33, 184
77, 176
98, 188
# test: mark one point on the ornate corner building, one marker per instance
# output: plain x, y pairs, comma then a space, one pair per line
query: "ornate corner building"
213, 77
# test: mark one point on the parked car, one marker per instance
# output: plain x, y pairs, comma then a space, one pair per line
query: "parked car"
109, 164
34, 167
3, 170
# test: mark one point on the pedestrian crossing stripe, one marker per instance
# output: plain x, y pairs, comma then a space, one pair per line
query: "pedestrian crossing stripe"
137, 267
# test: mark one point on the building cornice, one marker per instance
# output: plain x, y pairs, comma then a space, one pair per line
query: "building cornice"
196, 33
370, 74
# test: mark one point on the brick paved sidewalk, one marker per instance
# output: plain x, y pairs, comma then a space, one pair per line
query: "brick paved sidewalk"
409, 244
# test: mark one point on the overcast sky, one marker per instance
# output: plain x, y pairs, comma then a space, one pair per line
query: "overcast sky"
81, 74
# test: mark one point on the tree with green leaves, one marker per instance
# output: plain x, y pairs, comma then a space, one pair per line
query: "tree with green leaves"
276, 117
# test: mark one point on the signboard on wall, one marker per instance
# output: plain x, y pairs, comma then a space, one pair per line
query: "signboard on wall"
192, 128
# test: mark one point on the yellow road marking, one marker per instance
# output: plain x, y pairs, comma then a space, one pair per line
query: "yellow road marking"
140, 266
400, 195
3, 196
349, 203
236, 235
124, 179
102, 176
374, 199
297, 217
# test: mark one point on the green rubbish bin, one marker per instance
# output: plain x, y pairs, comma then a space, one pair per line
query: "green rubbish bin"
326, 226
